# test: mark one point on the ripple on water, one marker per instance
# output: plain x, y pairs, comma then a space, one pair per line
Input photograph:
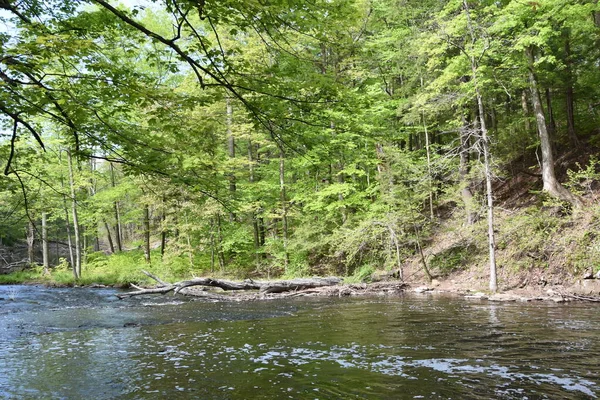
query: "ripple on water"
406, 348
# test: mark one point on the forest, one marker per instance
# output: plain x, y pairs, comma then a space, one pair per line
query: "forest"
288, 138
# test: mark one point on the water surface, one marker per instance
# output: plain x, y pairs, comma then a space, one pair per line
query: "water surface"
85, 343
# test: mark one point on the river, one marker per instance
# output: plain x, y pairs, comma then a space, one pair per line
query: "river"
83, 343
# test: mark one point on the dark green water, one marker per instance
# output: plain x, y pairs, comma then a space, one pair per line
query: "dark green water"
85, 344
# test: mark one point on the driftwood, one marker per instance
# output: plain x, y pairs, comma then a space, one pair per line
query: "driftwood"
361, 289
592, 299
263, 287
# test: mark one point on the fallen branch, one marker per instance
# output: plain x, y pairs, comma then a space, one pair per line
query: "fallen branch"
264, 287
156, 278
582, 298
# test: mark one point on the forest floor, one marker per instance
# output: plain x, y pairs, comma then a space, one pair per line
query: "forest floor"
542, 247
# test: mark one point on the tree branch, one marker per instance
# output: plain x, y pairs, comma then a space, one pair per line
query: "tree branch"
13, 138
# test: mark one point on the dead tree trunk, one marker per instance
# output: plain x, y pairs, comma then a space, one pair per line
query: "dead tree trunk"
76, 230
463, 171
264, 287
486, 158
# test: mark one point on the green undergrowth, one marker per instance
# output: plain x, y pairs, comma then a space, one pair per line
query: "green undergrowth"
115, 270
20, 277
560, 242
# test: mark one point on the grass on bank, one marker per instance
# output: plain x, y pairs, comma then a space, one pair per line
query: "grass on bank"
118, 269
544, 242
559, 245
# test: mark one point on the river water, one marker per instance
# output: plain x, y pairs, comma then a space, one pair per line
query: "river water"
83, 343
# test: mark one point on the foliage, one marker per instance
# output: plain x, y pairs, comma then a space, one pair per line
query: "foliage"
287, 138
453, 259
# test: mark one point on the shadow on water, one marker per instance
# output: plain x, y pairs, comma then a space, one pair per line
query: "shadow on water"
84, 343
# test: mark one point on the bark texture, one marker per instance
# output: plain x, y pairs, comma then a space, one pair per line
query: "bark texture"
551, 184
486, 161
264, 287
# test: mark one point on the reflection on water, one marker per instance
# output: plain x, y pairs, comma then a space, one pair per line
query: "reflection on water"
82, 343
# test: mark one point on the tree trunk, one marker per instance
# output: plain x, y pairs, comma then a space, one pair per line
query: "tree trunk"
339, 166
255, 229
84, 245
30, 243
284, 210
76, 227
429, 174
212, 245
92, 193
525, 107
45, 255
230, 151
551, 123
486, 159
493, 119
463, 171
109, 237
220, 253
68, 227
262, 230
163, 229
422, 255
118, 230
551, 184
394, 242
146, 223
189, 241
569, 96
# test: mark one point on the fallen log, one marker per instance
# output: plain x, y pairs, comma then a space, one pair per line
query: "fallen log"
592, 299
263, 287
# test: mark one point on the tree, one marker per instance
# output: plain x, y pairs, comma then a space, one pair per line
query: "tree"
526, 35
486, 149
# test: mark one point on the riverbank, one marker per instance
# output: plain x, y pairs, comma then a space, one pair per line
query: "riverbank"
542, 248
465, 284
